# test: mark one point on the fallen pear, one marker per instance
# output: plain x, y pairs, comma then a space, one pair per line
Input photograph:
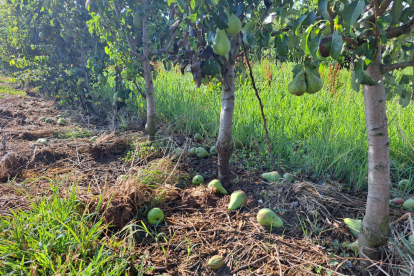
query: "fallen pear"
202, 153
42, 141
409, 204
234, 24
397, 201
404, 183
271, 176
267, 217
198, 179
288, 177
198, 137
155, 216
298, 85
216, 186
215, 262
354, 225
353, 246
193, 151
61, 121
213, 151
221, 43
237, 199
93, 139
313, 83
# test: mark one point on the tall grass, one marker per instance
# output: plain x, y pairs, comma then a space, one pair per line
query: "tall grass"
323, 135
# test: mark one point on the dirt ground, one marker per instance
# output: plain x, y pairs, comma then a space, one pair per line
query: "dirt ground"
197, 223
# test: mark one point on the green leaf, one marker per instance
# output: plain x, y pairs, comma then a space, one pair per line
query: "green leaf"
323, 9
356, 86
352, 12
405, 98
281, 44
298, 24
396, 11
336, 47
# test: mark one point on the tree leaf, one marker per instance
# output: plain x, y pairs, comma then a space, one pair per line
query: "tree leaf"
405, 98
298, 24
352, 12
323, 9
336, 47
356, 86
396, 10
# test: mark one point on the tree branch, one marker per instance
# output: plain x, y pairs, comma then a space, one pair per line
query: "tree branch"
166, 48
350, 41
401, 30
395, 66
266, 12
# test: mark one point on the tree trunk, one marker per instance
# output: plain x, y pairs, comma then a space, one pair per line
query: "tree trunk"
224, 143
375, 225
150, 127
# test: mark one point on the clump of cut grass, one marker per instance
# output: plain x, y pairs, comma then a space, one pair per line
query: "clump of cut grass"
7, 90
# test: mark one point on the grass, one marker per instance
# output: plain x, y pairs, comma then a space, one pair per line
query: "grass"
322, 135
74, 133
7, 90
59, 237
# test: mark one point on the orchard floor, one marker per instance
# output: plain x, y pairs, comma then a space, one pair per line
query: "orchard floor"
132, 176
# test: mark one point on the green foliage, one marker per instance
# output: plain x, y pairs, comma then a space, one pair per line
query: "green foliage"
57, 236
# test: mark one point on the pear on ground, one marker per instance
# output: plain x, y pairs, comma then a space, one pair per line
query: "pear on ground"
216, 186
221, 43
198, 137
215, 262
267, 217
313, 83
409, 204
193, 151
298, 85
61, 121
213, 151
288, 177
354, 225
353, 246
202, 153
237, 199
271, 176
198, 180
155, 216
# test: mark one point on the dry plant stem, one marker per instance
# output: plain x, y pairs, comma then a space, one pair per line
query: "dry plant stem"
375, 225
269, 146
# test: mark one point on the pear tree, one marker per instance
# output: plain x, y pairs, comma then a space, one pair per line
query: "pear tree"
377, 37
136, 33
211, 48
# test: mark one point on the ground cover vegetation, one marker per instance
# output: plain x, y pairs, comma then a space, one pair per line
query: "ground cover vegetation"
249, 123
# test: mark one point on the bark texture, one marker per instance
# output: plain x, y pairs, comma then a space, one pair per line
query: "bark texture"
224, 144
375, 225
150, 127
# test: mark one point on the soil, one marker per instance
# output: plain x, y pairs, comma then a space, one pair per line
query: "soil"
197, 223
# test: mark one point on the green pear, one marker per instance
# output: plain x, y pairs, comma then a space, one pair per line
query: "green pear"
213, 151
313, 83
271, 176
42, 141
155, 216
409, 204
42, 35
237, 199
353, 246
288, 177
221, 43
198, 137
198, 179
128, 101
267, 217
193, 151
61, 122
137, 20
354, 225
234, 24
102, 79
93, 139
217, 187
298, 85
404, 183
202, 153
215, 262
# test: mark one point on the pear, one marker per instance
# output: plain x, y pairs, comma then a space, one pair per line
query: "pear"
128, 101
42, 35
155, 216
354, 225
198, 179
404, 183
202, 153
213, 151
61, 122
217, 187
93, 139
234, 24
298, 85
314, 84
215, 262
221, 43
271, 176
267, 217
198, 137
237, 199
137, 20
353, 246
288, 177
102, 79
42, 141
409, 204
193, 151
397, 201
